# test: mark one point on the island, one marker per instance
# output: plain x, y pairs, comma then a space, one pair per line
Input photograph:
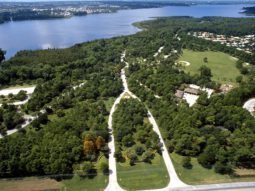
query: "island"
249, 11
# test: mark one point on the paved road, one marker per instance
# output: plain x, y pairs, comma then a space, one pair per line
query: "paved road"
175, 183
28, 120
113, 183
250, 105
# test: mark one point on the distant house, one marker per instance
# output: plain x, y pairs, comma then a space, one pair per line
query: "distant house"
192, 91
179, 94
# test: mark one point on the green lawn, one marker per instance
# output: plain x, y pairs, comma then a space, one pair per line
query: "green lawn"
97, 183
201, 175
143, 175
222, 65
85, 184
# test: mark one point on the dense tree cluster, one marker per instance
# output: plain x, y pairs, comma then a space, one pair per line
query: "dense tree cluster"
2, 55
57, 140
54, 148
9, 118
218, 131
135, 139
72, 133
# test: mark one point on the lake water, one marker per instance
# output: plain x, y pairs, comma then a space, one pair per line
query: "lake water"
60, 33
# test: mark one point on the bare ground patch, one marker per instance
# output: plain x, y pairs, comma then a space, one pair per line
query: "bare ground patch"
31, 184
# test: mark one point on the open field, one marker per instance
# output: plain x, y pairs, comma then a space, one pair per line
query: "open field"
143, 175
30, 184
201, 175
222, 65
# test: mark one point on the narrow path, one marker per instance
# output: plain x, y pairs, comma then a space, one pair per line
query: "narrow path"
113, 181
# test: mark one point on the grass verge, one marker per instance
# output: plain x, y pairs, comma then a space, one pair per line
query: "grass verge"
200, 175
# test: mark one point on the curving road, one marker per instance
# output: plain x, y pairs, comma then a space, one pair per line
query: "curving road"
175, 183
250, 105
28, 120
113, 182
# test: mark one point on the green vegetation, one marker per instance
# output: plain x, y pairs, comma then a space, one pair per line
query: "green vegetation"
77, 183
93, 182
143, 175
71, 136
10, 118
2, 55
75, 133
197, 174
218, 132
137, 148
218, 62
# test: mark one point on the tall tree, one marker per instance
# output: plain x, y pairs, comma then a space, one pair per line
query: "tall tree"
2, 55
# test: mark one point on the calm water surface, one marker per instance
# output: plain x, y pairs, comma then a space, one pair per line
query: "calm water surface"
60, 33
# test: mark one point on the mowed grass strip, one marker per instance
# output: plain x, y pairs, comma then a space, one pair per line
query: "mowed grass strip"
98, 183
200, 175
222, 65
143, 175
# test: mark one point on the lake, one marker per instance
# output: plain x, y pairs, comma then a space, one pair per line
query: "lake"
60, 33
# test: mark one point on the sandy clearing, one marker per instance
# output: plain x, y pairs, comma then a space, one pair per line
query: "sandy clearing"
190, 99
15, 91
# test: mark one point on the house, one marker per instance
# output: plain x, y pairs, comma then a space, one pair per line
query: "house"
192, 91
179, 94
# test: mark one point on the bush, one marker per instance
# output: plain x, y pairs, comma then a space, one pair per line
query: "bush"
223, 168
186, 162
60, 113
104, 167
139, 150
147, 156
21, 96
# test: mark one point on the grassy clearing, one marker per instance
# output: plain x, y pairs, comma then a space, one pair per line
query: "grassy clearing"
30, 184
108, 103
201, 175
143, 175
85, 184
222, 65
